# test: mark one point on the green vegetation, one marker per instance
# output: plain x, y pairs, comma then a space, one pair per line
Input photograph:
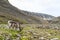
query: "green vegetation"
4, 19
34, 33
8, 33
28, 33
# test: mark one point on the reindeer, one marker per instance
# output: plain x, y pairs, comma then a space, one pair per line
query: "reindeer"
14, 25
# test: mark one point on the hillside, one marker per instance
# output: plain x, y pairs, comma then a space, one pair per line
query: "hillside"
55, 20
36, 26
9, 12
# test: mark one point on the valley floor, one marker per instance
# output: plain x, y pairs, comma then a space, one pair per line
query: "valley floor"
29, 32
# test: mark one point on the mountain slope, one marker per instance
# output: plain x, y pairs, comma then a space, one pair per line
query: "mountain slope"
9, 12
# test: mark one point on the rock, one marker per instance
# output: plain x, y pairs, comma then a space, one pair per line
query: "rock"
55, 39
18, 35
34, 33
41, 38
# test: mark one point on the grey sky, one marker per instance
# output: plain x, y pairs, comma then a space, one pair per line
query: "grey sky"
51, 7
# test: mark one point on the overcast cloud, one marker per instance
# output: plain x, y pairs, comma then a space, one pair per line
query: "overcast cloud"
51, 7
